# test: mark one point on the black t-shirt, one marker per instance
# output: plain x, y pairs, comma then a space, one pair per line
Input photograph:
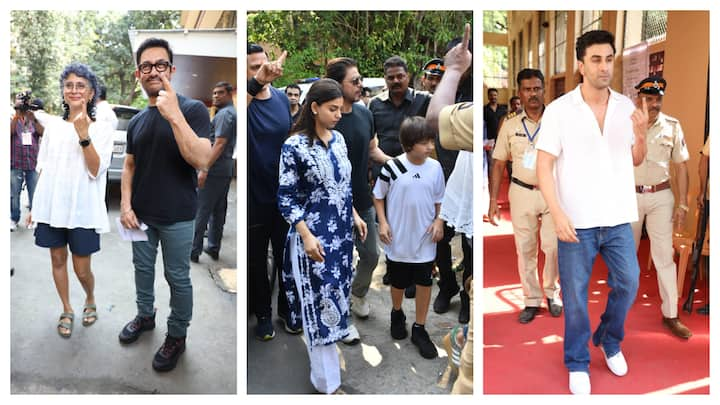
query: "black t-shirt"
164, 184
492, 119
358, 128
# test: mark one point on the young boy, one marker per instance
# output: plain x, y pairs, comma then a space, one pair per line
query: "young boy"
408, 193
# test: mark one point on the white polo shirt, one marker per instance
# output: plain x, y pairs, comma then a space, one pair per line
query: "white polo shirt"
594, 170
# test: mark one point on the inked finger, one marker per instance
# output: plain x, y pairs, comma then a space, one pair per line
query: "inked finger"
466, 37
282, 57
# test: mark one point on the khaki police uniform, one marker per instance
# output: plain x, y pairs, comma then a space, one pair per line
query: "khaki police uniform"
665, 143
528, 211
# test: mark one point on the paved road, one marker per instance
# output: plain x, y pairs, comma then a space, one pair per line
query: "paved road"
378, 365
92, 360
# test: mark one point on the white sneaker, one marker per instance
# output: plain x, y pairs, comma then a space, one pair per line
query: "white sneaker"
353, 336
360, 306
579, 383
616, 363
13, 226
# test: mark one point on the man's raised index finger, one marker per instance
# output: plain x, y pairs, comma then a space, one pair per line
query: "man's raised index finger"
466, 37
282, 57
166, 83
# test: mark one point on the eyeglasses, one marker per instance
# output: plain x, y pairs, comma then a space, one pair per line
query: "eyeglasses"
146, 67
79, 86
356, 81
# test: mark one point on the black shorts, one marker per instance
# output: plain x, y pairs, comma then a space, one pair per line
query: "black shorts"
403, 275
82, 241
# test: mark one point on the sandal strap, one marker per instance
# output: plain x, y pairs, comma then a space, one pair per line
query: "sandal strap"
90, 306
90, 314
65, 325
69, 315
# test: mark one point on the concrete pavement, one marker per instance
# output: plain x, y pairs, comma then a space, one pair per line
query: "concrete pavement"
378, 365
92, 360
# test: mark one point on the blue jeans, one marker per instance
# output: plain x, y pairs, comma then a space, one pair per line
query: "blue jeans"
176, 240
17, 176
617, 248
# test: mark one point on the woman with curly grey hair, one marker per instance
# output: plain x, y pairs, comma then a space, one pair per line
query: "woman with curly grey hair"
69, 203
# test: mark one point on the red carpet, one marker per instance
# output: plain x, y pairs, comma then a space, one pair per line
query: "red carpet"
528, 359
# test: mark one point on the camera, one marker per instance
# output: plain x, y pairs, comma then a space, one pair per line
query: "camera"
27, 103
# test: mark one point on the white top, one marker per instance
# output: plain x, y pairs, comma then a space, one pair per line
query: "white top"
593, 170
457, 205
67, 195
104, 112
410, 192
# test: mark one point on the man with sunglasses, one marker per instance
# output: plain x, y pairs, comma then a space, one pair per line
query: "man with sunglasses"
358, 129
167, 143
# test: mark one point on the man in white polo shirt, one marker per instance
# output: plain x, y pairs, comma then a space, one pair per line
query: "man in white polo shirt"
592, 137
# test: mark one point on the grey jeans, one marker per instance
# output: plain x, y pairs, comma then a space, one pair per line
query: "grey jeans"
369, 253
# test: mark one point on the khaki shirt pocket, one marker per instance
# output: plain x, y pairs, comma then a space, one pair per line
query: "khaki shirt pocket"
660, 151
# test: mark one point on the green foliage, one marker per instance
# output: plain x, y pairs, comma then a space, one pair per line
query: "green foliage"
495, 21
370, 37
44, 42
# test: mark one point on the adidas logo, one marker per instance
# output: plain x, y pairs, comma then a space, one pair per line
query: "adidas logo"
416, 176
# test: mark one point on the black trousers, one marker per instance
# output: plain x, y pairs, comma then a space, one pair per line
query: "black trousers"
265, 226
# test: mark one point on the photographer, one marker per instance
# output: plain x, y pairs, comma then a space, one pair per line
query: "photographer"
25, 133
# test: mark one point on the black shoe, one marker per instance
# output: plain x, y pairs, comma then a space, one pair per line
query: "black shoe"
421, 339
528, 314
704, 310
442, 301
410, 292
213, 254
167, 356
398, 329
133, 329
464, 316
386, 279
554, 308
195, 258
264, 330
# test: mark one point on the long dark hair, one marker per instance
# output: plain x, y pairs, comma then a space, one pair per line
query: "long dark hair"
320, 92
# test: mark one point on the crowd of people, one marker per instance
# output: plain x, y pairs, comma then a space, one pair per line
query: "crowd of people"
340, 173
177, 171
587, 173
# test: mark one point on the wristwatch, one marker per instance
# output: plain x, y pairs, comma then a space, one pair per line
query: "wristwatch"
85, 142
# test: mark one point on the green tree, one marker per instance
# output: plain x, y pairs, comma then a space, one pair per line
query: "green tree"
44, 42
314, 37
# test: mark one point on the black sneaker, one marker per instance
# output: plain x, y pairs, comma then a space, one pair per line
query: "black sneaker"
195, 258
464, 316
421, 339
264, 330
442, 301
133, 329
213, 254
410, 292
168, 354
398, 330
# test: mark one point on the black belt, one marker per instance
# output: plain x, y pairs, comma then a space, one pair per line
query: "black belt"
523, 184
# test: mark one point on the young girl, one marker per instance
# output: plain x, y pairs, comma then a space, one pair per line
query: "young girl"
315, 199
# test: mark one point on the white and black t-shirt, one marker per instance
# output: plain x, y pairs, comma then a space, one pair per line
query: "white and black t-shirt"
410, 192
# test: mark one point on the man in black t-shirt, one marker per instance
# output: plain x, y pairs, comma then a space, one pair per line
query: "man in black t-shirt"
358, 129
166, 143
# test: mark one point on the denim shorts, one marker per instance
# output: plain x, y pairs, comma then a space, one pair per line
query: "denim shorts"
82, 241
403, 275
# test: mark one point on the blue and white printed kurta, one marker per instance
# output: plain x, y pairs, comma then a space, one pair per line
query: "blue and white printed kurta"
315, 187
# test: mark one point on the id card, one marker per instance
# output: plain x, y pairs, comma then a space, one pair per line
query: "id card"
529, 158
27, 138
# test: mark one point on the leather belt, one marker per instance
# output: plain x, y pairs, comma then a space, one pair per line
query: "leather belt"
523, 184
651, 189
